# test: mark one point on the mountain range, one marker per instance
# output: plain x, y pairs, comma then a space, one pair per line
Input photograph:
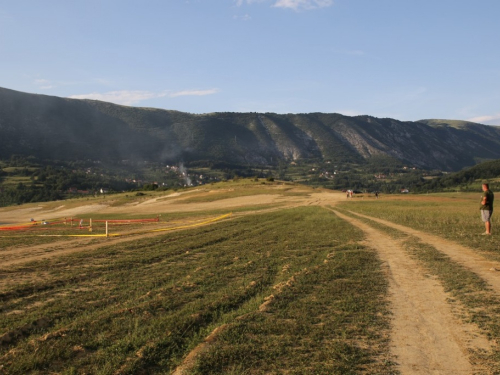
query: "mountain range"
50, 127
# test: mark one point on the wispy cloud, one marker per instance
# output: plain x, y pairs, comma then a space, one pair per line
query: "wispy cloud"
303, 4
121, 97
194, 93
241, 2
45, 84
296, 5
489, 119
131, 97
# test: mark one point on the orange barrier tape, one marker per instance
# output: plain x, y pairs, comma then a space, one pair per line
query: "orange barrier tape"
36, 225
15, 228
136, 232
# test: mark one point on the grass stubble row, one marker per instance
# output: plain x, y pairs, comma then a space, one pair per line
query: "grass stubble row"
140, 307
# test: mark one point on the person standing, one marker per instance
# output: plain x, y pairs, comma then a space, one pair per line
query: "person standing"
487, 207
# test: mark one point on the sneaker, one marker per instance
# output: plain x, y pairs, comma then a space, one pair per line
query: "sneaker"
486, 234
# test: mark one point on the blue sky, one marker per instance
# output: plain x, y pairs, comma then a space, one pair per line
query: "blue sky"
408, 60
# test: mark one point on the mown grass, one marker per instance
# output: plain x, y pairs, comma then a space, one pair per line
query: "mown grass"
454, 216
166, 217
313, 327
21, 240
139, 307
40, 234
472, 299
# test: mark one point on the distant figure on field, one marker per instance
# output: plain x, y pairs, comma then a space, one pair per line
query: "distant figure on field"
376, 194
487, 207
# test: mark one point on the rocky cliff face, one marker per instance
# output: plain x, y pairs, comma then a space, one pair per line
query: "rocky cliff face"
59, 128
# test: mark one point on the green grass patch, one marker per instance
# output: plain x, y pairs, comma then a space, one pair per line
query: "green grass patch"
14, 180
314, 326
19, 169
141, 306
21, 239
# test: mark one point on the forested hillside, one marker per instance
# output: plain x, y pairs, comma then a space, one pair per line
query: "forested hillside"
56, 128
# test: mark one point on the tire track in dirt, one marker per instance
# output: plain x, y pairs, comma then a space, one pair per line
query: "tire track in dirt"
426, 338
464, 256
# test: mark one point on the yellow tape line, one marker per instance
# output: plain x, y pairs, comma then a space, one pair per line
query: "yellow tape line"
131, 233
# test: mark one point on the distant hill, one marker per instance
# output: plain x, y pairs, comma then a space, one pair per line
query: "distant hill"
50, 127
457, 124
468, 179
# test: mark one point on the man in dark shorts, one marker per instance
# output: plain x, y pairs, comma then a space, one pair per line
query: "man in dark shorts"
487, 207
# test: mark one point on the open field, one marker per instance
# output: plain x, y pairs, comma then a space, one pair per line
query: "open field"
295, 281
454, 216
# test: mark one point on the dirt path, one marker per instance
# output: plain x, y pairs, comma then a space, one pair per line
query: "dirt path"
426, 337
40, 213
484, 268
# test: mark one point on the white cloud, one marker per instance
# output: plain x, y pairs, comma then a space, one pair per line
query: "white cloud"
194, 93
488, 120
303, 4
241, 2
121, 97
131, 97
291, 4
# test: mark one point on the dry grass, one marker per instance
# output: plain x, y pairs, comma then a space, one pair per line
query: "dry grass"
142, 305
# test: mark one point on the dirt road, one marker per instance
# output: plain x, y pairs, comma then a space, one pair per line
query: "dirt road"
426, 337
484, 268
